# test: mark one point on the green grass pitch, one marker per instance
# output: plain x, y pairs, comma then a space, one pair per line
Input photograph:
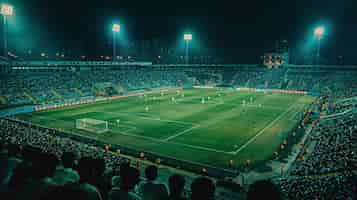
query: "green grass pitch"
208, 126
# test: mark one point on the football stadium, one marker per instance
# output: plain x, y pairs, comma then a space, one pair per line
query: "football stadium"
129, 118
217, 125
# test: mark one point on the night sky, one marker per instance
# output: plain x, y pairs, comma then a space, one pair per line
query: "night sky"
239, 30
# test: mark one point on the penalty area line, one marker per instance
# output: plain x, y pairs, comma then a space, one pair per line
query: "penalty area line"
263, 130
175, 143
181, 133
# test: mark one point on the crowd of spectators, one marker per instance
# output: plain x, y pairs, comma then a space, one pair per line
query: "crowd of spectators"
44, 86
40, 165
335, 147
341, 186
327, 166
50, 86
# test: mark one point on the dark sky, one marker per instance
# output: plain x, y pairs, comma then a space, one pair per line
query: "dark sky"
241, 29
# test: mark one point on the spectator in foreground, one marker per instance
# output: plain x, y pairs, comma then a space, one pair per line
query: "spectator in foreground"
152, 190
8, 162
176, 187
33, 179
202, 188
85, 169
98, 178
66, 192
128, 180
66, 173
264, 187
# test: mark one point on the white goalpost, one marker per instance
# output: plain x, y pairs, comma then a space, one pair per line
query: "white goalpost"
92, 125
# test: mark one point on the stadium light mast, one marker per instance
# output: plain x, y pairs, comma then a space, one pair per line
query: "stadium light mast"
187, 37
7, 11
319, 33
116, 31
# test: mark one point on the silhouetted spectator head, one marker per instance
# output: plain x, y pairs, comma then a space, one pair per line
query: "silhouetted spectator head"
2, 146
262, 189
123, 167
44, 165
99, 166
68, 159
176, 186
130, 177
20, 174
151, 173
30, 154
85, 169
13, 150
202, 188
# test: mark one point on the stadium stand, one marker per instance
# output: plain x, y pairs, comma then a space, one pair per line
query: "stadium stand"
38, 164
40, 86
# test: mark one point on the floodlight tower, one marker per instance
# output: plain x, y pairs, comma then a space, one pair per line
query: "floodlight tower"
319, 33
115, 30
7, 11
187, 37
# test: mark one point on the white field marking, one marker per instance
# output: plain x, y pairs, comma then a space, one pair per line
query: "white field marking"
233, 104
181, 133
130, 128
169, 142
149, 118
263, 130
175, 143
126, 133
53, 119
294, 115
201, 148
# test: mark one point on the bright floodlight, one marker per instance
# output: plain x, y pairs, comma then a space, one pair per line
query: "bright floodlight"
7, 10
116, 28
319, 32
187, 37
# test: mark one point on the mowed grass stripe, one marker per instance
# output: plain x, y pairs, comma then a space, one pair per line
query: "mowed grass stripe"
233, 126
219, 127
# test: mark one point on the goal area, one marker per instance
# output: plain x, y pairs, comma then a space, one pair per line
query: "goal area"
92, 125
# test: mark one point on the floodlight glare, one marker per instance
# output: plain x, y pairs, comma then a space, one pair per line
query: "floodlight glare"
7, 10
319, 32
116, 28
187, 37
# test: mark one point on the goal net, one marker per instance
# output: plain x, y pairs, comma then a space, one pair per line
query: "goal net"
92, 125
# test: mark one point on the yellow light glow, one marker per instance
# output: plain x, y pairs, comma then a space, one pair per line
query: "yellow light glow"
116, 28
319, 32
7, 9
187, 37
